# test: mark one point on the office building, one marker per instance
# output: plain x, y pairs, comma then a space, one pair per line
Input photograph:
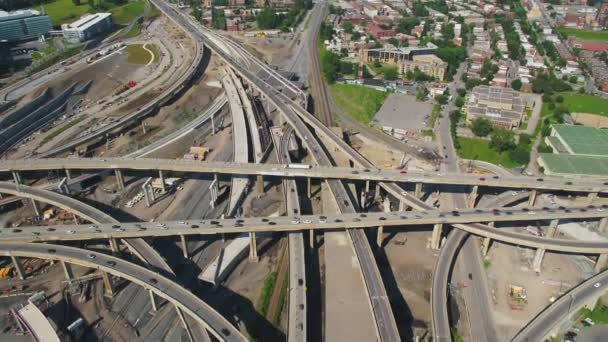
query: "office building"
87, 27
503, 107
23, 25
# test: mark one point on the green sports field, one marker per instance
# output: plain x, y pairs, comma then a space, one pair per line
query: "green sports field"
584, 34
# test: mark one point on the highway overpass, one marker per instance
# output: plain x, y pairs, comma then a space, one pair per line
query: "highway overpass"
322, 172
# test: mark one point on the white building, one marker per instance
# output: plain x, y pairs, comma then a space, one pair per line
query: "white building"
87, 27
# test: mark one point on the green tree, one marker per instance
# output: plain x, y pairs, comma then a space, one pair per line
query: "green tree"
502, 140
441, 99
393, 41
559, 99
76, 2
481, 127
91, 3
390, 72
267, 19
516, 84
346, 68
520, 155
459, 102
421, 93
197, 13
573, 79
348, 27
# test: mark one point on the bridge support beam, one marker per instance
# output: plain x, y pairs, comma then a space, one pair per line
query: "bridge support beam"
363, 201
387, 208
16, 177
68, 174
153, 301
182, 238
308, 187
161, 177
473, 197
67, 269
214, 190
35, 207
538, 260
418, 190
185, 323
253, 248
402, 206
259, 183
143, 127
485, 245
108, 286
603, 224
119, 180
63, 186
311, 238
436, 236
114, 246
601, 263
591, 197
18, 267
553, 230
144, 187
532, 198
213, 124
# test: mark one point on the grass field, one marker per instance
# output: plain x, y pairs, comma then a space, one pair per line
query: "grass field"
64, 11
138, 55
359, 102
584, 34
583, 103
479, 149
599, 315
154, 49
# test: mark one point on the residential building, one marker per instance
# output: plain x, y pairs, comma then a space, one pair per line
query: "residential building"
23, 25
87, 27
602, 15
379, 32
429, 64
503, 107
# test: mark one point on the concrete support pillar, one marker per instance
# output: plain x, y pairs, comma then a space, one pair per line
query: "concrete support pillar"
436, 236
114, 246
63, 186
308, 187
591, 197
538, 260
402, 206
68, 173
119, 180
16, 177
146, 195
18, 267
553, 230
603, 224
163, 186
601, 262
473, 197
367, 186
35, 207
184, 245
185, 323
532, 198
253, 248
380, 236
418, 190
214, 191
260, 184
311, 238
67, 269
212, 124
143, 127
153, 301
108, 286
377, 193
363, 201
485, 245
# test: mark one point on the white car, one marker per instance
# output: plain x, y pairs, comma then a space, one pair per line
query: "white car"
307, 221
71, 232
322, 221
596, 285
295, 221
531, 212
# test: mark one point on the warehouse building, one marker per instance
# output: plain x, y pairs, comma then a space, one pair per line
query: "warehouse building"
87, 27
23, 25
503, 107
578, 151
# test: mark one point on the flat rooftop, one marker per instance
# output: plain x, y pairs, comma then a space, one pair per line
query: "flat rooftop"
584, 140
573, 165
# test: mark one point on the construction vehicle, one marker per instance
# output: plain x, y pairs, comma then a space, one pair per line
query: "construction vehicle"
199, 152
124, 87
6, 272
518, 297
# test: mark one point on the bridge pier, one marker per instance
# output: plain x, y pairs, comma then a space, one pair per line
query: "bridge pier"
185, 323
68, 174
63, 186
601, 263
553, 230
253, 248
153, 301
387, 208
538, 260
311, 238
143, 127
473, 197
532, 198
214, 191
119, 180
144, 187
18, 267
107, 284
16, 177
603, 224
213, 124
363, 203
163, 186
259, 183
418, 190
308, 187
591, 197
35, 207
182, 238
114, 246
485, 245
402, 206
67, 269
436, 236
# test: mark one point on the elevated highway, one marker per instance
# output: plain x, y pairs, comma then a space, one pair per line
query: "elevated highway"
466, 220
566, 306
150, 280
365, 172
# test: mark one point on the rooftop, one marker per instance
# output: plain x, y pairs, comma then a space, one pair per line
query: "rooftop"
4, 15
573, 165
88, 20
584, 140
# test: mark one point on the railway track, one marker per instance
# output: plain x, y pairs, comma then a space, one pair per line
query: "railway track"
319, 88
